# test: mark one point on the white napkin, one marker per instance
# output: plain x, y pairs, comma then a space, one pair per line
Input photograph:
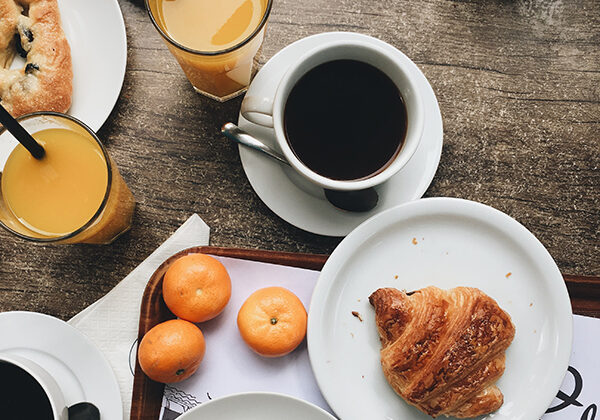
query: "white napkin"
112, 321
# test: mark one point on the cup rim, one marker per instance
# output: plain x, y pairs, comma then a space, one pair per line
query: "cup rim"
38, 374
406, 151
102, 206
240, 44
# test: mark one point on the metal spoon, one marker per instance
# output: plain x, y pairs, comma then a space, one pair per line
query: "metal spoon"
235, 133
356, 201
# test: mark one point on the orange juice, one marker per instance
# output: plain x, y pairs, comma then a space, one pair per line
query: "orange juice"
214, 41
210, 25
60, 193
73, 194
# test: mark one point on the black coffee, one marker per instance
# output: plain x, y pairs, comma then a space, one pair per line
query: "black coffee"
345, 120
21, 396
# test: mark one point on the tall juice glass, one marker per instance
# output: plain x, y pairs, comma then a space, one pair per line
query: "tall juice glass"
74, 194
214, 41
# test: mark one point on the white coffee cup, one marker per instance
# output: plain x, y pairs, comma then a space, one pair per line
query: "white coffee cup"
59, 409
269, 111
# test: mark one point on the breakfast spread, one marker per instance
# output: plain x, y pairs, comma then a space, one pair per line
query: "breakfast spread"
443, 350
32, 29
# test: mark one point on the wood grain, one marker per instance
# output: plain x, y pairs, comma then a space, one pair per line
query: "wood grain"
147, 394
518, 83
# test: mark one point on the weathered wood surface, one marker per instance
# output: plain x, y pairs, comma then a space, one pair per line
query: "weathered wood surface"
518, 82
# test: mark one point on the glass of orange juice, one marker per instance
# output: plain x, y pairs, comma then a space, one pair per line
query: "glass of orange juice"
74, 194
214, 41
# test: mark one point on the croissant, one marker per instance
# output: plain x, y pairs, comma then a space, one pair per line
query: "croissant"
443, 350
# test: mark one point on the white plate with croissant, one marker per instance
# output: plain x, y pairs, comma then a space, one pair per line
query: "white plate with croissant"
440, 307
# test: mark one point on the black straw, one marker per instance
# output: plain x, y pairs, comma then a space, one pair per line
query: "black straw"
17, 130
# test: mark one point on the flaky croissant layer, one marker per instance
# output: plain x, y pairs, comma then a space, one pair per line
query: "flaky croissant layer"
443, 350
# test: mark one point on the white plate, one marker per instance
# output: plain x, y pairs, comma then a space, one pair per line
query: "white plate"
257, 406
72, 360
444, 242
96, 33
304, 205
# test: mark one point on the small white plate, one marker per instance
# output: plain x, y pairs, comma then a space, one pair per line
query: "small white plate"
303, 205
96, 33
445, 242
78, 367
257, 406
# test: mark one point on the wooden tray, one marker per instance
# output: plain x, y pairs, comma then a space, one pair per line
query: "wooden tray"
147, 394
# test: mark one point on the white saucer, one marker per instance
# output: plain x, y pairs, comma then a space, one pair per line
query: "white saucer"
257, 406
304, 205
96, 33
72, 360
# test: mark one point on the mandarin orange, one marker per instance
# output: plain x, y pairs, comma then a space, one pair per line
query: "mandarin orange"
272, 321
196, 287
171, 351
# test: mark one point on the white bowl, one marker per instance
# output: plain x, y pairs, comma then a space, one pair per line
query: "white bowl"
257, 406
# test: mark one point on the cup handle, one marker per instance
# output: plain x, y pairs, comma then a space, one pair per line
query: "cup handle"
258, 110
84, 411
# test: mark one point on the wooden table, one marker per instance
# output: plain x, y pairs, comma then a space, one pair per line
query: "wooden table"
518, 84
